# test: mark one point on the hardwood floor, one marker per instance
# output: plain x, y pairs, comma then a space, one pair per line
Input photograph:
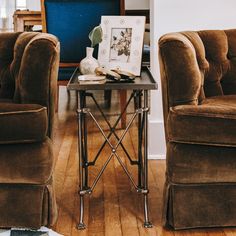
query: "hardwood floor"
114, 208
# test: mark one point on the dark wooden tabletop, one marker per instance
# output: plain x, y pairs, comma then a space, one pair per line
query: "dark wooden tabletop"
144, 82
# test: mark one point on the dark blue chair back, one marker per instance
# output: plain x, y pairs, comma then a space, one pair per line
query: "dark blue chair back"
72, 20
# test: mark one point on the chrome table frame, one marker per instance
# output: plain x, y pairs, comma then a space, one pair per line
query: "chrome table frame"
141, 113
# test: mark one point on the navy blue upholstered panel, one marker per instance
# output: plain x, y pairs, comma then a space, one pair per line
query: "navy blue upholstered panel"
72, 20
65, 73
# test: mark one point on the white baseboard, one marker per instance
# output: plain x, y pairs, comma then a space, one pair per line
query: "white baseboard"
156, 157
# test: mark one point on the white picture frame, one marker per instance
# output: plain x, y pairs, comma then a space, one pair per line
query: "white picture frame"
122, 43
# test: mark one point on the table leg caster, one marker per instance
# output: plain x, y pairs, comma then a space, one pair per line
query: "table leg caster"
147, 224
81, 226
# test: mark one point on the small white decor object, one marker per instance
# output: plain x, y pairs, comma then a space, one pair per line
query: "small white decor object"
122, 43
89, 63
91, 79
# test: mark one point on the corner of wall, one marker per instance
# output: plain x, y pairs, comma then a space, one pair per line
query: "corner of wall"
157, 146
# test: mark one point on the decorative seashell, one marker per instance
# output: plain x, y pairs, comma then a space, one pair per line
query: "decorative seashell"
125, 74
108, 73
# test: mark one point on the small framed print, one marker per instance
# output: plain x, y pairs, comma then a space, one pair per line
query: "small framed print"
122, 43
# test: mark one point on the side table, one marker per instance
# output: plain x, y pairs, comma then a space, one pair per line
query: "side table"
140, 87
25, 19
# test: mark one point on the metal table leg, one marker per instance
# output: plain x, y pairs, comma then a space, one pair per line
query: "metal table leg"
140, 140
147, 223
82, 153
84, 139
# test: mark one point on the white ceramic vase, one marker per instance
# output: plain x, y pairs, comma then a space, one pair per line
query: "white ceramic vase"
89, 63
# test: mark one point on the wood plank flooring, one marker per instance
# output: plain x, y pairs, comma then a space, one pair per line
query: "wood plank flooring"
114, 208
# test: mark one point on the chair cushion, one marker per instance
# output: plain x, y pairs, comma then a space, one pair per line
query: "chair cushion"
22, 123
211, 123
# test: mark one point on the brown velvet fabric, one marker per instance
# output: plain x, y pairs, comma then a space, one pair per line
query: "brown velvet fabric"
198, 75
183, 84
190, 60
27, 163
190, 163
39, 65
7, 81
28, 76
215, 117
203, 205
22, 123
23, 205
28, 65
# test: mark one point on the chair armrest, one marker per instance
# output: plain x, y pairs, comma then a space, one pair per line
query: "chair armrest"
37, 79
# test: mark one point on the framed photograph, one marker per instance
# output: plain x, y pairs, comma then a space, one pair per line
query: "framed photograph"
122, 43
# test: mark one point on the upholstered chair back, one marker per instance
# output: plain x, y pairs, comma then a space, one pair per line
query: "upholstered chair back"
27, 67
196, 65
71, 21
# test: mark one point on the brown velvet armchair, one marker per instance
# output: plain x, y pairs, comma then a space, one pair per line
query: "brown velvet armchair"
28, 82
198, 73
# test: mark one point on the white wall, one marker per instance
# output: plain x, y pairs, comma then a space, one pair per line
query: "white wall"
7, 9
137, 4
178, 15
33, 5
